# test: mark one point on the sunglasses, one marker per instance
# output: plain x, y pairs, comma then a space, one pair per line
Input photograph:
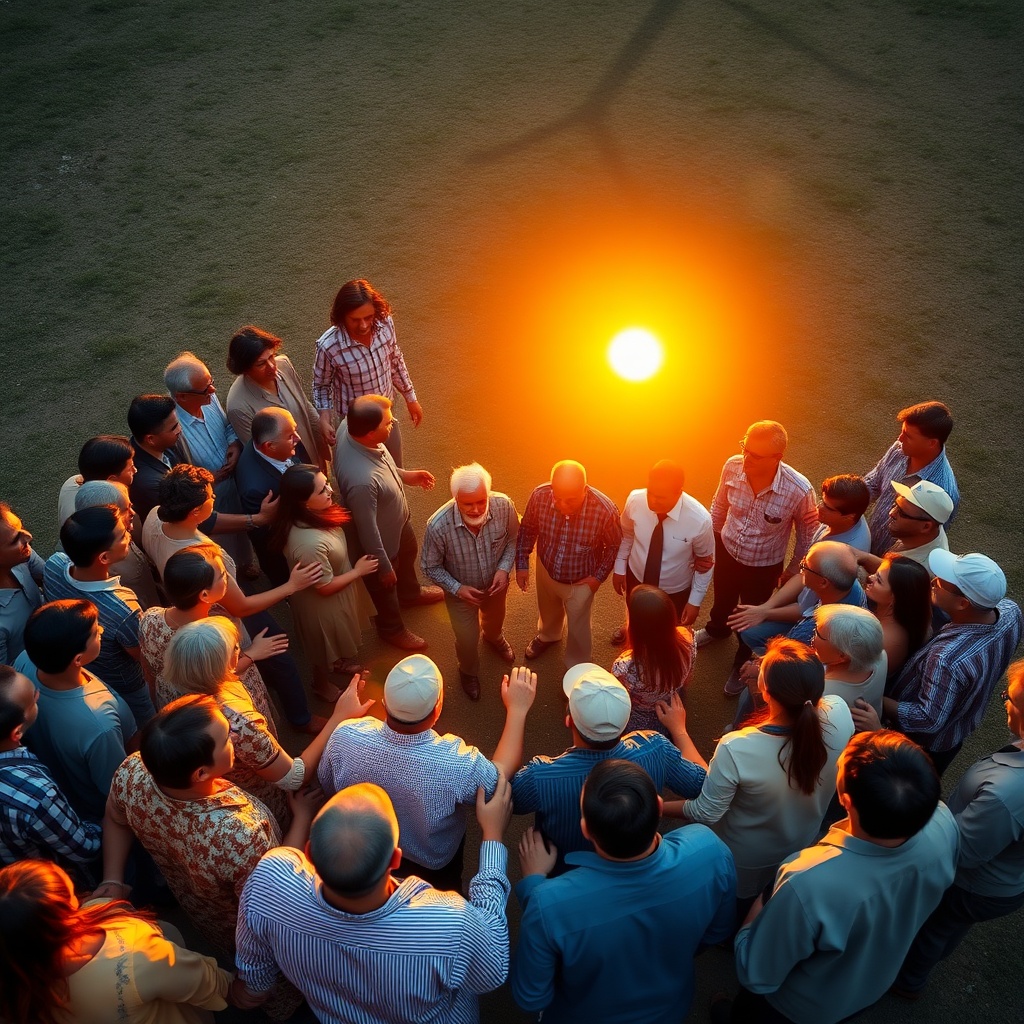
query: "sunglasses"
916, 519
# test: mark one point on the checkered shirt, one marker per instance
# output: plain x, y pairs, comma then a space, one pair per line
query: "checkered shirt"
344, 370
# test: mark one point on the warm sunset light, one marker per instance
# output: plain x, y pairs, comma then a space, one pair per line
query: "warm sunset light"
635, 354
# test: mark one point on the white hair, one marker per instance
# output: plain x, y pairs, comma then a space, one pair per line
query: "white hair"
836, 562
853, 631
469, 478
773, 432
101, 492
183, 372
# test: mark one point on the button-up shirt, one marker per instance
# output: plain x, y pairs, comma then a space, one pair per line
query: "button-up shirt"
432, 781
570, 547
687, 535
945, 686
344, 370
422, 956
755, 528
614, 941
208, 438
454, 556
893, 465
844, 912
36, 820
17, 604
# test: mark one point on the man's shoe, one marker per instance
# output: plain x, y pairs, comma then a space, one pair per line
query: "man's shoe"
536, 647
504, 649
314, 726
471, 684
702, 637
618, 638
734, 686
404, 640
427, 595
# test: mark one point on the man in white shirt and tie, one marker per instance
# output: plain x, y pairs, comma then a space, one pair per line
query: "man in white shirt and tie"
667, 542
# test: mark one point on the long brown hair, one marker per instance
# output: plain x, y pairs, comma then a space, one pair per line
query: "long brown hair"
38, 922
661, 649
297, 483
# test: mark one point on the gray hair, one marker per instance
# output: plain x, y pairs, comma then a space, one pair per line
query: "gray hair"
198, 658
853, 631
353, 838
836, 562
771, 430
268, 425
469, 478
183, 372
101, 492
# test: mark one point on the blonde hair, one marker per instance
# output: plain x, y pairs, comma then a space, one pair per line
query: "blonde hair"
198, 658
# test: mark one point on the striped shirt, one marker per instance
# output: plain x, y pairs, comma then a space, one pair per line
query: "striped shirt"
755, 528
423, 956
893, 465
432, 781
945, 687
570, 547
208, 438
36, 820
119, 614
344, 370
453, 556
551, 786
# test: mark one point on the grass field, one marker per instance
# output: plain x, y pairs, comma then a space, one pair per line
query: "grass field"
816, 204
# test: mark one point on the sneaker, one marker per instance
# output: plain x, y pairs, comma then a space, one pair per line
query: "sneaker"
734, 686
702, 637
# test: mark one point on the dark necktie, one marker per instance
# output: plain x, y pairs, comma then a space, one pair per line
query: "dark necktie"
652, 567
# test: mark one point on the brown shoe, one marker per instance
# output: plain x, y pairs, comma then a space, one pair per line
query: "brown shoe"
471, 684
404, 640
314, 726
427, 595
618, 638
536, 647
504, 649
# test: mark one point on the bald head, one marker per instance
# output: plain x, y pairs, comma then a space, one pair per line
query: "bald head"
832, 562
664, 486
353, 838
568, 486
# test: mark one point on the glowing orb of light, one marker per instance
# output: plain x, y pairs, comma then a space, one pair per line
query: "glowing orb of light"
635, 354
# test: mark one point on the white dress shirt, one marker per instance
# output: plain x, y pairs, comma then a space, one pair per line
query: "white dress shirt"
688, 535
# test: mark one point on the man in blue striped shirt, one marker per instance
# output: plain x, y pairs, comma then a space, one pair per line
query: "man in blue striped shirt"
362, 947
598, 711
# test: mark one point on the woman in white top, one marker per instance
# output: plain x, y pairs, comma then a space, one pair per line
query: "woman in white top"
849, 643
769, 784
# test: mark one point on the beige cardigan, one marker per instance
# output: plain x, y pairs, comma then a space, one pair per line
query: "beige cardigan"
246, 398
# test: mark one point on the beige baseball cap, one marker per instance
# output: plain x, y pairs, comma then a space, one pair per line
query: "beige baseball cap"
598, 702
412, 688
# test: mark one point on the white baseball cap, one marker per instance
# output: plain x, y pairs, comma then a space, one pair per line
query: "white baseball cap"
928, 497
412, 688
979, 578
598, 703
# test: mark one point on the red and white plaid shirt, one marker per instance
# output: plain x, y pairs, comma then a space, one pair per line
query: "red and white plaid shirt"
344, 370
755, 528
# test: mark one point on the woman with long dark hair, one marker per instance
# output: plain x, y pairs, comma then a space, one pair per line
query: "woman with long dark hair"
659, 659
769, 784
899, 595
64, 963
359, 355
328, 616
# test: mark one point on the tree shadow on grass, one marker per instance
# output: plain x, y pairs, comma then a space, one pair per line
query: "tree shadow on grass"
591, 115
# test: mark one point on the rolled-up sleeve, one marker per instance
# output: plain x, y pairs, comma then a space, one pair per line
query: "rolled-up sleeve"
484, 945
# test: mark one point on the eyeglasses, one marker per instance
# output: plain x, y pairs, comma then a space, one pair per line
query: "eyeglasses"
819, 635
916, 519
804, 567
208, 390
754, 455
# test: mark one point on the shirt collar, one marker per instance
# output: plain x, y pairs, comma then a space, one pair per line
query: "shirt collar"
414, 739
188, 417
674, 513
1009, 758
584, 858
374, 454
18, 754
839, 837
90, 585
276, 463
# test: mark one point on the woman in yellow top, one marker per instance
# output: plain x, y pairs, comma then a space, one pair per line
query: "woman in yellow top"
63, 963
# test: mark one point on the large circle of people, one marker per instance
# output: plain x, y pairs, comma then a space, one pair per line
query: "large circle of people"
140, 759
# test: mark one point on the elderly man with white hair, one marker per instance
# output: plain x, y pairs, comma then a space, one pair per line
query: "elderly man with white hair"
849, 643
469, 548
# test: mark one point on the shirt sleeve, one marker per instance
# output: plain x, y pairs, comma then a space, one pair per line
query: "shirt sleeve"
484, 946
683, 776
508, 554
805, 519
103, 757
254, 955
928, 714
362, 502
724, 922
987, 828
432, 560
719, 788
56, 825
127, 633
779, 938
536, 963
524, 790
323, 379
528, 530
720, 502
166, 971
626, 544
481, 773
874, 477
399, 372
703, 547
611, 536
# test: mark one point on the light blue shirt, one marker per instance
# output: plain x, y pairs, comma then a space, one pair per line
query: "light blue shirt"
614, 941
857, 536
208, 438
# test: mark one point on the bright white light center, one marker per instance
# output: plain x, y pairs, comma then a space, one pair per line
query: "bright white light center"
635, 354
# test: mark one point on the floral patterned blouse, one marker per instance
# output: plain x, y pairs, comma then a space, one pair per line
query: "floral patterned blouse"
643, 715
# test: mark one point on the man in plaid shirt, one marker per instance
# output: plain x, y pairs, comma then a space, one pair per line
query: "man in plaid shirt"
576, 530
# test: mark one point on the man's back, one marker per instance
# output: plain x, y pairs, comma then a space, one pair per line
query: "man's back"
421, 957
613, 941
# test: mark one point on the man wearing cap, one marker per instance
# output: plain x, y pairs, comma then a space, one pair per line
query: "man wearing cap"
614, 940
939, 698
598, 711
667, 541
469, 547
362, 945
576, 530
432, 779
919, 453
916, 520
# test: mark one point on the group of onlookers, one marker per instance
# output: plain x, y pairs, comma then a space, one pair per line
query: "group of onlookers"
139, 747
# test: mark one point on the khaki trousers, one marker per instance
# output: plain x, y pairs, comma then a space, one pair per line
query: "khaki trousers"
558, 601
467, 623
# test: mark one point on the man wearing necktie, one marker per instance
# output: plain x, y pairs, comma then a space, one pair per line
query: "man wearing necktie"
667, 542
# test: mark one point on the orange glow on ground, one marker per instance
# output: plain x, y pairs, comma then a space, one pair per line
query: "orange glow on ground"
635, 354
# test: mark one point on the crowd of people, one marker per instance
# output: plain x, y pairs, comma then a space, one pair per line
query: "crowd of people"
141, 762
